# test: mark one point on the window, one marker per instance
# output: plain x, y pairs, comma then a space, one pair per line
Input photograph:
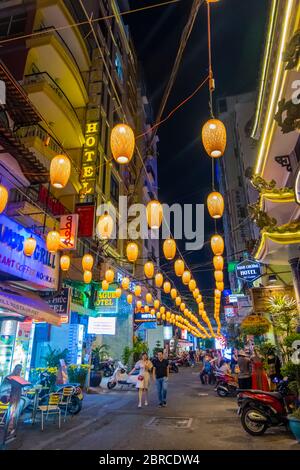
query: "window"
114, 188
12, 25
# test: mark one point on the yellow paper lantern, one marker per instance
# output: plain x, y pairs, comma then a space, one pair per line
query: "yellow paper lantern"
169, 248
214, 138
167, 287
218, 262
105, 285
29, 246
122, 143
118, 292
109, 275
201, 306
163, 317
219, 277
146, 308
154, 212
139, 304
3, 197
218, 293
156, 304
220, 286
186, 277
179, 267
129, 298
215, 205
149, 298
53, 241
149, 269
186, 311
178, 301
168, 315
192, 285
217, 245
162, 309
87, 277
159, 279
125, 283
132, 252
60, 170
196, 292
173, 293
158, 315
105, 226
182, 306
87, 262
65, 262
152, 311
137, 291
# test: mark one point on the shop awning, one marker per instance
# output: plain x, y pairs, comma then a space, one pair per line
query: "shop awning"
27, 304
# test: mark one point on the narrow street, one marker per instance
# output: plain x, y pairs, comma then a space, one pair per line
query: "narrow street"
112, 421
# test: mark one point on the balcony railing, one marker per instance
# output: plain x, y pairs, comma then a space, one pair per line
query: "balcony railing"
39, 132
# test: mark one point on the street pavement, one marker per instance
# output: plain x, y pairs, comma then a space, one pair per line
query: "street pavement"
197, 419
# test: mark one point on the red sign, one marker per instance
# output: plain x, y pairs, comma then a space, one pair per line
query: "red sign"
56, 207
68, 231
86, 214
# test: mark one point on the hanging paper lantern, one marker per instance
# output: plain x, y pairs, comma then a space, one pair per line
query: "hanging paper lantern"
29, 246
105, 226
201, 306
149, 269
149, 298
65, 263
186, 277
132, 252
220, 286
219, 277
139, 304
146, 308
158, 315
215, 205
154, 214
137, 291
186, 312
196, 292
3, 197
87, 277
87, 262
163, 317
152, 311
167, 287
122, 143
129, 298
156, 304
182, 306
169, 248
168, 315
118, 292
214, 138
60, 170
162, 309
178, 301
218, 293
218, 262
199, 299
159, 279
125, 283
173, 293
105, 285
109, 275
192, 285
53, 241
179, 267
217, 245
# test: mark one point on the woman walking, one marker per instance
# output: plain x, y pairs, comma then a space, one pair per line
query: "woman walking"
259, 376
144, 366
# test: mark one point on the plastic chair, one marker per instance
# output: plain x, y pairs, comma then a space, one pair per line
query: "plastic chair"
52, 408
66, 397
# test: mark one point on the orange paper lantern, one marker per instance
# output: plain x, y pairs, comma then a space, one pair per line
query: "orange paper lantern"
217, 245
122, 143
215, 205
169, 248
214, 138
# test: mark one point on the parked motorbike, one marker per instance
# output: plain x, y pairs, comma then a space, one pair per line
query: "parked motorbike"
121, 377
261, 410
226, 385
107, 368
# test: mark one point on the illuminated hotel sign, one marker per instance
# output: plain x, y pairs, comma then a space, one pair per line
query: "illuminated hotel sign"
106, 301
89, 158
68, 231
41, 268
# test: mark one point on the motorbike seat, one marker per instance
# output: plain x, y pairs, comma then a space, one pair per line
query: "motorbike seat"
272, 394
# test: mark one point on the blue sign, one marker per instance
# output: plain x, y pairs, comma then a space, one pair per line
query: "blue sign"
248, 270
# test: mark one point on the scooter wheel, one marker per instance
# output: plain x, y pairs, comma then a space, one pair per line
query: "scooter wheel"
75, 406
254, 428
222, 393
111, 385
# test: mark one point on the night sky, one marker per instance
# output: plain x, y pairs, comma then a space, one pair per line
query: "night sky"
238, 32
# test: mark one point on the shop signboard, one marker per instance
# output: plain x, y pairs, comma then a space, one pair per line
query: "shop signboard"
68, 229
231, 313
141, 317
102, 326
60, 303
41, 269
89, 158
248, 270
86, 214
260, 296
106, 301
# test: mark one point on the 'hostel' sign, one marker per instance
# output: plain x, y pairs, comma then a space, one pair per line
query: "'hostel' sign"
89, 158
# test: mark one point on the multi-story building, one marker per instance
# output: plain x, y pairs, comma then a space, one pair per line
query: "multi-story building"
78, 76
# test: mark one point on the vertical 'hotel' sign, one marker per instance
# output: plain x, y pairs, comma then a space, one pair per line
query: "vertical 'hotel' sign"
89, 158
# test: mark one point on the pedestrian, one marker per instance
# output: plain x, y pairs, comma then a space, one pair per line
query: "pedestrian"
244, 376
274, 367
234, 360
206, 370
161, 376
192, 357
144, 366
259, 376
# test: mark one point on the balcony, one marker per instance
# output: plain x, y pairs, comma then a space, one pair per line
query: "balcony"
51, 102
49, 52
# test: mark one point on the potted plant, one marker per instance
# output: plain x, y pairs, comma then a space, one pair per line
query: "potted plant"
294, 422
78, 373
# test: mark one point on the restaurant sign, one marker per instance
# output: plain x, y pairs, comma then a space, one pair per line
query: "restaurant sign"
68, 231
60, 303
40, 269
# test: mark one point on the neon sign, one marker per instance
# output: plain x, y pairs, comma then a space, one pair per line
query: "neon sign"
89, 158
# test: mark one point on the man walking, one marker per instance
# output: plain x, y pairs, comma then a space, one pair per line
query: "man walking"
161, 375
